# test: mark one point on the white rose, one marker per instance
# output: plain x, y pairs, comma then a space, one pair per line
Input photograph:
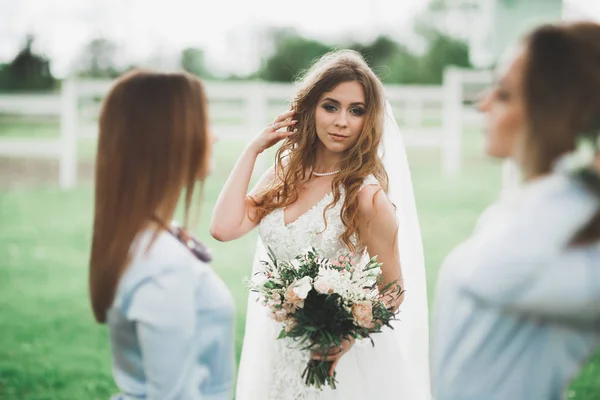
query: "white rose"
333, 278
275, 274
327, 273
302, 287
260, 279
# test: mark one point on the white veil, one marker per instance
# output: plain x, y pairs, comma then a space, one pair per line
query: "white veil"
412, 330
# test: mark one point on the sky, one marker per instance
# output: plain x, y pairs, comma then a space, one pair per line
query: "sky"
228, 30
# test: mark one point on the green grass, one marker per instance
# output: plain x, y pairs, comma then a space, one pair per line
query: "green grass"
50, 347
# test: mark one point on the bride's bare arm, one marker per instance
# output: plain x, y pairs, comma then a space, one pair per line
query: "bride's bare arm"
233, 215
378, 229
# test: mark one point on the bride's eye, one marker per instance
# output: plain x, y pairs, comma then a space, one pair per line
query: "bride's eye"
329, 107
358, 111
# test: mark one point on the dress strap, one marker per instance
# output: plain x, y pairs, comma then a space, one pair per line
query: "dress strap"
369, 180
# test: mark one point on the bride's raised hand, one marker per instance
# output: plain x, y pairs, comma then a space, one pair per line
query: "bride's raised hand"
274, 132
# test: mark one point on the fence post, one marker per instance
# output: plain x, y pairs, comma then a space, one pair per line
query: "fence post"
68, 134
256, 107
452, 122
256, 117
414, 114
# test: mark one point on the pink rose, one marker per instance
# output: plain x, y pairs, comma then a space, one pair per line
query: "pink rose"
288, 307
323, 286
280, 315
293, 298
362, 312
289, 324
274, 302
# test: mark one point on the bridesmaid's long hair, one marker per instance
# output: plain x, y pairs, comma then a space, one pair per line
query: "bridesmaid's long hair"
297, 153
153, 144
562, 98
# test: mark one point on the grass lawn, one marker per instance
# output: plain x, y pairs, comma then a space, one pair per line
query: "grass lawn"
50, 347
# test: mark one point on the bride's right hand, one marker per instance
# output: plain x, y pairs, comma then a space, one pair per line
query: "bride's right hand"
272, 133
334, 354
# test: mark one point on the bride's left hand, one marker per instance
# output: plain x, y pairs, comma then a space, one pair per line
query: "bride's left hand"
334, 355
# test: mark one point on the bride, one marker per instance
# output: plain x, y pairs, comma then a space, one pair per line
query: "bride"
335, 189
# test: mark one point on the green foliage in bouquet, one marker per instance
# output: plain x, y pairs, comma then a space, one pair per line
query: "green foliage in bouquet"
322, 303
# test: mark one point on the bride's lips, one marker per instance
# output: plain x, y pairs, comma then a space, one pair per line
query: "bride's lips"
338, 137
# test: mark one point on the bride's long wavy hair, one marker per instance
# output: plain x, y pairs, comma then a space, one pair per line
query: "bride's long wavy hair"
296, 156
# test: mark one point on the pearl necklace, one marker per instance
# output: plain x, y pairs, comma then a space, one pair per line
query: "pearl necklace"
326, 173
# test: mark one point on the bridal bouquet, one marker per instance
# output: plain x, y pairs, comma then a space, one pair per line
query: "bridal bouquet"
321, 302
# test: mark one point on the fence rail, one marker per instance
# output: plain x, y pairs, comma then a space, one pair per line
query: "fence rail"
430, 116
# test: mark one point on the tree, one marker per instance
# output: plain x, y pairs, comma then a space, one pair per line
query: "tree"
4, 77
193, 61
27, 71
98, 59
292, 55
445, 42
403, 67
378, 52
443, 51
393, 62
451, 17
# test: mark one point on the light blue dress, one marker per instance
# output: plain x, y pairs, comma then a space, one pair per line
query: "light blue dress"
172, 326
517, 308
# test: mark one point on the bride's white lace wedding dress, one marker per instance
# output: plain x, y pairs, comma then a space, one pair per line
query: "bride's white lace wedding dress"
365, 372
397, 367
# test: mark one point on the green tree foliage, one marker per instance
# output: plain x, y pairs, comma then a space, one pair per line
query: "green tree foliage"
98, 60
193, 61
292, 54
394, 62
28, 71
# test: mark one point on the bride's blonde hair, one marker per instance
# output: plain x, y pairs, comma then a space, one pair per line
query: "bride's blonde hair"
298, 150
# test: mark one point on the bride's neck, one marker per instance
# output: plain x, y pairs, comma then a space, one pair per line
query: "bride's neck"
326, 161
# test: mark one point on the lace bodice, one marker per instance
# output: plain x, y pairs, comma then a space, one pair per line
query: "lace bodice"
287, 241
308, 230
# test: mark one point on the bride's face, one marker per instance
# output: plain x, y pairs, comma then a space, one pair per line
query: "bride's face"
504, 108
340, 116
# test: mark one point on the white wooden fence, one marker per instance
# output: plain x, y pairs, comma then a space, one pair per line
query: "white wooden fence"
430, 116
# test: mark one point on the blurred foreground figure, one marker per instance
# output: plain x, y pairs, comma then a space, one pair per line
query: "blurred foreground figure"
170, 316
518, 303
